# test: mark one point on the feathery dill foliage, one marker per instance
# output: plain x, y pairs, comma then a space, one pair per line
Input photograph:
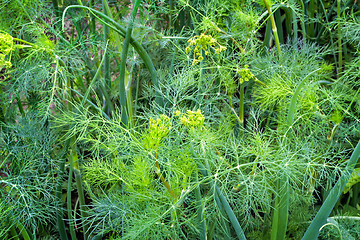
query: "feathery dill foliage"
240, 124
29, 168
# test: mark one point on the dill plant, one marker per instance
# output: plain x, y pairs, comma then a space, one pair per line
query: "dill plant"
237, 121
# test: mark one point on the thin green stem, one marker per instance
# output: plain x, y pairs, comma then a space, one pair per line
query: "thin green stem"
163, 180
241, 103
339, 37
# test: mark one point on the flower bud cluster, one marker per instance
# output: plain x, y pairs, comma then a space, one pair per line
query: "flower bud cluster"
191, 119
6, 46
203, 44
246, 75
158, 129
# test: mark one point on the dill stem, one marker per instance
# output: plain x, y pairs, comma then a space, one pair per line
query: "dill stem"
241, 110
167, 185
339, 37
273, 24
69, 208
60, 221
123, 96
73, 158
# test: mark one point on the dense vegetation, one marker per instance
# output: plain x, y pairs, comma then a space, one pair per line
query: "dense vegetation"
163, 119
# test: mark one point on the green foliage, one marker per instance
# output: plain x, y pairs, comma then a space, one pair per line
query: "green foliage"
181, 121
29, 168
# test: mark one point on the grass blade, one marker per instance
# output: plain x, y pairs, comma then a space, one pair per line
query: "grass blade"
320, 219
234, 221
292, 107
200, 210
281, 210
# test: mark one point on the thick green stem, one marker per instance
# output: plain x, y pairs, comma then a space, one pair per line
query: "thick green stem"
108, 102
279, 28
273, 25
171, 6
14, 234
311, 13
56, 11
92, 18
292, 107
122, 91
302, 20
69, 208
60, 220
73, 158
295, 28
232, 217
94, 78
267, 36
281, 210
107, 78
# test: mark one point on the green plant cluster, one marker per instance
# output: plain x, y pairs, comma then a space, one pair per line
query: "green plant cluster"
200, 119
157, 130
5, 50
191, 119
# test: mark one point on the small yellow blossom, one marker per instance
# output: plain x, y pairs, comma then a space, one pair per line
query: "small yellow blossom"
191, 119
202, 43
